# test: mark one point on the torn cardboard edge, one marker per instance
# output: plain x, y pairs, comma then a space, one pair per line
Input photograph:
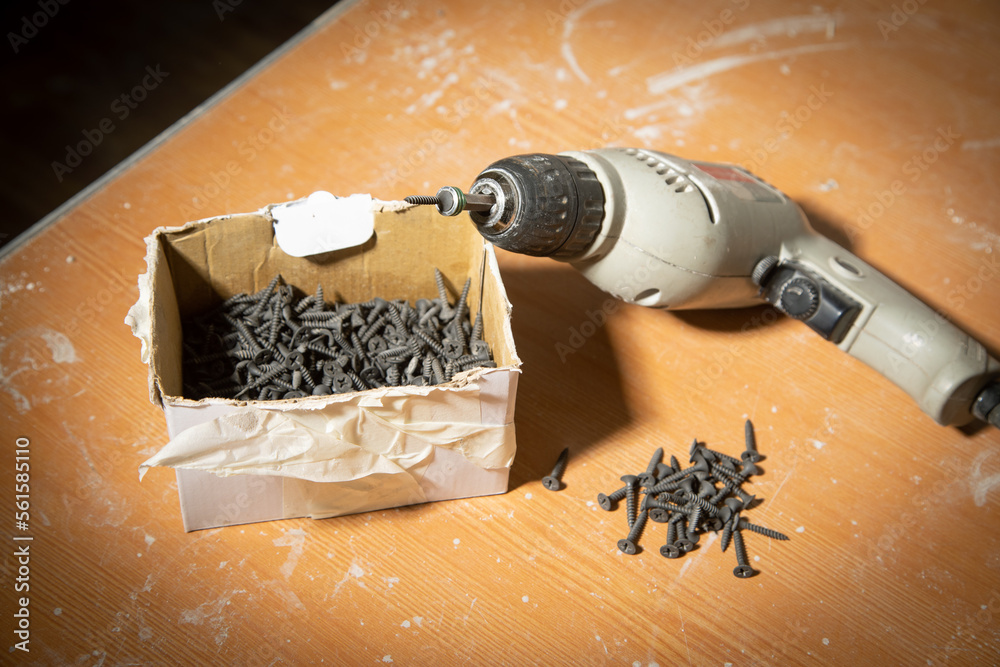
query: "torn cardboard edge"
343, 453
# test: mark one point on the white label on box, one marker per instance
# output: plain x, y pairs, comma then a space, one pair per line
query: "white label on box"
322, 223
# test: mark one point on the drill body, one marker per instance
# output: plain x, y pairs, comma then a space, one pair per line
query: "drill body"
664, 232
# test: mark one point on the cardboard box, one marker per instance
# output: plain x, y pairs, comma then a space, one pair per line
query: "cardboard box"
321, 456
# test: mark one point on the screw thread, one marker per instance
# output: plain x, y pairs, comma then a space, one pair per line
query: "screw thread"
726, 474
439, 281
740, 547
637, 526
761, 530
560, 467
421, 200
671, 532
630, 503
727, 533
751, 441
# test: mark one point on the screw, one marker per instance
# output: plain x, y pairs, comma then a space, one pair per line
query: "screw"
742, 569
730, 515
630, 483
629, 544
773, 534
607, 502
751, 443
553, 482
648, 478
686, 540
670, 549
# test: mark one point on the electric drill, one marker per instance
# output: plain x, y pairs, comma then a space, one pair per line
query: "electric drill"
664, 232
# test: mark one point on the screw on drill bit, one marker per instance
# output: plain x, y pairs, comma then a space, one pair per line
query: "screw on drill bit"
553, 481
422, 200
452, 201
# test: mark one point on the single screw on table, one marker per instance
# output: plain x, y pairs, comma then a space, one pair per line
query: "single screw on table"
553, 481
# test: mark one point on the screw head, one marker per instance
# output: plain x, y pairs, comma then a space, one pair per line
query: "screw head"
452, 349
685, 544
658, 515
647, 479
627, 546
744, 571
342, 384
551, 483
602, 500
670, 551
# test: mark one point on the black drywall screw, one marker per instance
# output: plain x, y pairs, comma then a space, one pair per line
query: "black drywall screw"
630, 483
607, 502
630, 544
648, 478
553, 481
773, 534
751, 443
742, 569
686, 540
670, 549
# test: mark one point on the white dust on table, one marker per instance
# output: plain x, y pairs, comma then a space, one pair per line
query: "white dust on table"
353, 572
567, 43
212, 614
296, 539
788, 26
980, 483
61, 351
675, 78
980, 144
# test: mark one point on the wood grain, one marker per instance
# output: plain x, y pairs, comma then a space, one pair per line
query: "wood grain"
893, 519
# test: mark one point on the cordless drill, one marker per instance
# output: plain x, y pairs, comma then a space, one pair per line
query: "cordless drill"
664, 232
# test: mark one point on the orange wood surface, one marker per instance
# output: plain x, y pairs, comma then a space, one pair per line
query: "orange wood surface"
895, 549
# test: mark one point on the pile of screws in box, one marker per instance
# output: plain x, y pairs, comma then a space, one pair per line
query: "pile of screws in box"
707, 496
274, 345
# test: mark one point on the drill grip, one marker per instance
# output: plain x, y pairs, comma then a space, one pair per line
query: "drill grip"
917, 348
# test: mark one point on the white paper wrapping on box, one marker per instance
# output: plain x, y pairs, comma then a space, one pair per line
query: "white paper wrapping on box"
387, 433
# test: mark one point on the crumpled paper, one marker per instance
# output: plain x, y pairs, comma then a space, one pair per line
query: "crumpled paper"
390, 434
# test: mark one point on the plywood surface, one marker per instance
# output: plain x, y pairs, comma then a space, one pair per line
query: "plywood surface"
894, 519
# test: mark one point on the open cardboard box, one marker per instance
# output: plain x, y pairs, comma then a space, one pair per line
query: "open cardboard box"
247, 461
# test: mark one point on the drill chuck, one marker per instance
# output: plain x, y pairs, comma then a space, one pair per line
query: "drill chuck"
546, 205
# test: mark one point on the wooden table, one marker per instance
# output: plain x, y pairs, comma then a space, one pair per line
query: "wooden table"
895, 549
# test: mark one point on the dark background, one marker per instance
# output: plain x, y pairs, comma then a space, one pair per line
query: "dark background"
65, 78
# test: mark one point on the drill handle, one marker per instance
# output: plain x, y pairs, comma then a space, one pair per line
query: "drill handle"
875, 320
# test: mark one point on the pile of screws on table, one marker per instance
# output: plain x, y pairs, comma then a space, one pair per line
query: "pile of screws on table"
690, 503
272, 345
